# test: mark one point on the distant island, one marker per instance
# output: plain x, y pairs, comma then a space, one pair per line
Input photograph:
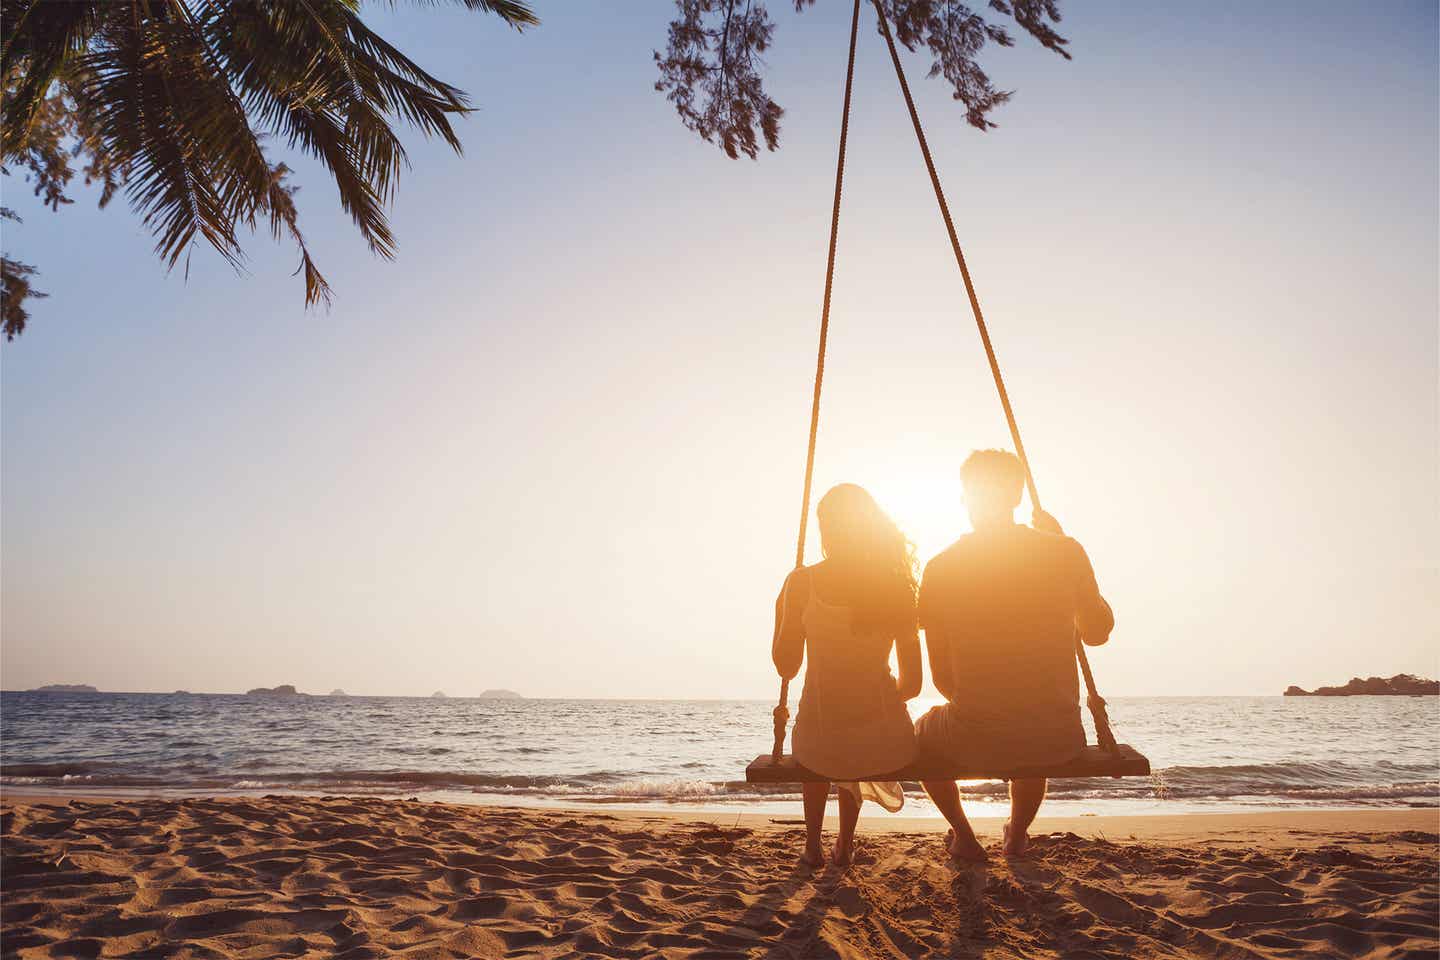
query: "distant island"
65, 688
337, 692
440, 694
181, 693
1400, 685
500, 695
284, 690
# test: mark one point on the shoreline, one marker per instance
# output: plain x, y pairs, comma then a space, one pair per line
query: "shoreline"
1129, 825
916, 814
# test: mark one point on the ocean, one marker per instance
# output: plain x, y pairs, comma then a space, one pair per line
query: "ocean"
1210, 754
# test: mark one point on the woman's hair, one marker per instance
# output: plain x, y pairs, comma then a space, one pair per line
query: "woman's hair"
878, 560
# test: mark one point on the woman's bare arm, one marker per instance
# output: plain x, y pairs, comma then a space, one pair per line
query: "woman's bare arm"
912, 671
787, 648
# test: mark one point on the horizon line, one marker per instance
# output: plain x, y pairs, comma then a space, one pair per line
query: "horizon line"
448, 696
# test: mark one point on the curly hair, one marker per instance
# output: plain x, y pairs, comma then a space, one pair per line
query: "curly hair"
879, 559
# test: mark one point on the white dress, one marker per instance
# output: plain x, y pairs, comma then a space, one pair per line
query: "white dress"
851, 722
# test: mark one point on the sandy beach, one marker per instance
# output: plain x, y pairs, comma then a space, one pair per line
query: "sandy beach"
362, 877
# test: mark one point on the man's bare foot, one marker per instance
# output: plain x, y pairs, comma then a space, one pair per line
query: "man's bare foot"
965, 850
843, 854
1016, 842
813, 857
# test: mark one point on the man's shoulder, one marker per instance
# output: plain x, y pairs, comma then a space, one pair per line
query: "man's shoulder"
970, 549
952, 556
1058, 542
953, 551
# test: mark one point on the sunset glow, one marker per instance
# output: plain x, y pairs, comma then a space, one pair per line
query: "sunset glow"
570, 416
442, 596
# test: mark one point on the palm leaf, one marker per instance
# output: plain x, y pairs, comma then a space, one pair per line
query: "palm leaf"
281, 202
169, 101
514, 12
38, 39
134, 85
326, 104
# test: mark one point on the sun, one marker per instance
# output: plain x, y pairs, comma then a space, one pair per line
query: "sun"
926, 505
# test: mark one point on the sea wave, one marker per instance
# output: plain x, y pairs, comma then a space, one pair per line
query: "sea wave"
1218, 753
1302, 783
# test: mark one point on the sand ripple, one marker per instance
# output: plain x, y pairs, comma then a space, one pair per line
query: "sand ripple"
362, 878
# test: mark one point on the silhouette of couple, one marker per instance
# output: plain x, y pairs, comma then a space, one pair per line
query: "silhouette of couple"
999, 608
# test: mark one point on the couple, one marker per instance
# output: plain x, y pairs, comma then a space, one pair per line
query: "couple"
999, 607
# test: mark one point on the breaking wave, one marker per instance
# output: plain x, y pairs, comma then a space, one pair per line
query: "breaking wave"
1301, 783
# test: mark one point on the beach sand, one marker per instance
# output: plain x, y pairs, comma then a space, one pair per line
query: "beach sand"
363, 877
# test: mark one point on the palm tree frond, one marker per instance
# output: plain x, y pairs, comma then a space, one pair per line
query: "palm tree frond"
38, 39
168, 101
157, 110
516, 13
284, 219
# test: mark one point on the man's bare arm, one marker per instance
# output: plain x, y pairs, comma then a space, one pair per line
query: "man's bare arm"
937, 645
1093, 616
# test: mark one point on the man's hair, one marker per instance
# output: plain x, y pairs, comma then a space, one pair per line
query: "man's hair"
995, 476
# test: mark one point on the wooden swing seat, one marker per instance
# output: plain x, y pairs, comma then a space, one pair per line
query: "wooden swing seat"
1124, 761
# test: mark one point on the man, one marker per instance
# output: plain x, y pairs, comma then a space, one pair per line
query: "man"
1000, 608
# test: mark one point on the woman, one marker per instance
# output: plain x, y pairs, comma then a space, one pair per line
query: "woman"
846, 613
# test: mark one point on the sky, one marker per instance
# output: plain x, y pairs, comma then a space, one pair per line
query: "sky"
557, 445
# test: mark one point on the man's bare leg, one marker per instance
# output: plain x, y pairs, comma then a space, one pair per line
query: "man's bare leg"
815, 795
849, 816
1025, 799
962, 843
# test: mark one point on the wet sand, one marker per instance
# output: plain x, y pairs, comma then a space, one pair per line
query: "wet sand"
291, 876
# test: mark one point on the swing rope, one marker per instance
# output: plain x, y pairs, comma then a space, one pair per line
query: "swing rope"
1096, 703
782, 709
1103, 736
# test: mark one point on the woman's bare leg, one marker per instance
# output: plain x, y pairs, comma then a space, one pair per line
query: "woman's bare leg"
815, 795
849, 816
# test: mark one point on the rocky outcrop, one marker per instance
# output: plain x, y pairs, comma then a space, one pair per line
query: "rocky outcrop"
65, 688
284, 690
1400, 685
500, 695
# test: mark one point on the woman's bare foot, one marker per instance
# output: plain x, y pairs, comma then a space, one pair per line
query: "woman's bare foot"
813, 857
1016, 842
965, 850
844, 853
